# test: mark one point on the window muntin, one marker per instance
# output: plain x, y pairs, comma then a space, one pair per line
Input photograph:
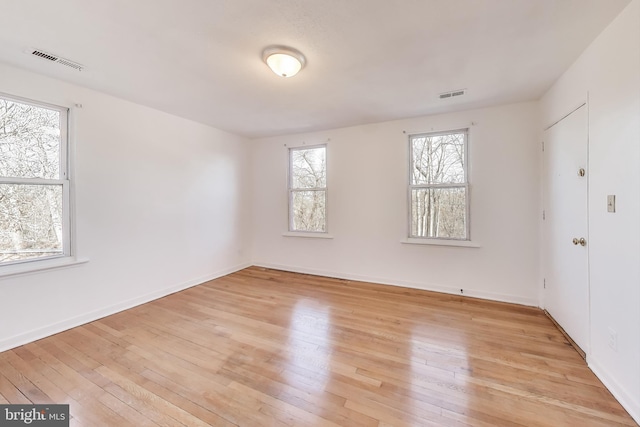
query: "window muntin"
34, 185
438, 185
308, 189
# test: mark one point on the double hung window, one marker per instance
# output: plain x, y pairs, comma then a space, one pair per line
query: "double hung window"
34, 181
308, 189
438, 185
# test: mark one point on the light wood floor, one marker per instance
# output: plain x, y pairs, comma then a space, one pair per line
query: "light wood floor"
268, 348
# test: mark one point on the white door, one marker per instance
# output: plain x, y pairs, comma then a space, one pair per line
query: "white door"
566, 293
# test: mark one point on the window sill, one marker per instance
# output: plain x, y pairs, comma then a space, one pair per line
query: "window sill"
441, 242
307, 235
41, 265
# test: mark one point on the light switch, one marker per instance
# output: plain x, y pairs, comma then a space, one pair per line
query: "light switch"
611, 203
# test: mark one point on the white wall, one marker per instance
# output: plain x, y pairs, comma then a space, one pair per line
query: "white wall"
367, 207
609, 71
161, 204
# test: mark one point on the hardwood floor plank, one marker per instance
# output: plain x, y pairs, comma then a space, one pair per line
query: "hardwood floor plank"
83, 395
9, 392
263, 347
142, 396
33, 369
20, 379
298, 393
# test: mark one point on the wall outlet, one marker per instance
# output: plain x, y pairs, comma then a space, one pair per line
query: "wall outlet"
613, 340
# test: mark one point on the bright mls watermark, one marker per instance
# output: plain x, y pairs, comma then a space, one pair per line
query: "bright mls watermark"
34, 415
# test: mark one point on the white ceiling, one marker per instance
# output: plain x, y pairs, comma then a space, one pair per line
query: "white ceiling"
368, 60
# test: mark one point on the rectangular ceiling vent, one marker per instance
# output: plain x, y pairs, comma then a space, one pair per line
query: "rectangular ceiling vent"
54, 58
453, 93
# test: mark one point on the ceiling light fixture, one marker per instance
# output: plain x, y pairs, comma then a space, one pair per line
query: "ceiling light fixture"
284, 61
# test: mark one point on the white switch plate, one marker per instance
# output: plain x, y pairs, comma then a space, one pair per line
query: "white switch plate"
611, 203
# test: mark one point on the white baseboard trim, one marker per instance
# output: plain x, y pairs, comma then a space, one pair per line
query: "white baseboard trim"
39, 333
533, 302
628, 402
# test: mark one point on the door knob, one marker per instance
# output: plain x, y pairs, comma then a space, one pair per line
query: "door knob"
576, 241
582, 242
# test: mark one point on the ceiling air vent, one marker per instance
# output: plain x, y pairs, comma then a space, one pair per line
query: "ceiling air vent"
453, 93
54, 58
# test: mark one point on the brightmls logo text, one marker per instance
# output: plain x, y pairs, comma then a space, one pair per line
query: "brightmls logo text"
34, 415
27, 416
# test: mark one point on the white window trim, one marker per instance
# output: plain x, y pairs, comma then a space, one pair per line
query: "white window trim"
308, 234
68, 255
440, 241
41, 264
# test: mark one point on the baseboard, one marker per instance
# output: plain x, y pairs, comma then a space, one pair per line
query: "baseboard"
630, 403
64, 325
532, 302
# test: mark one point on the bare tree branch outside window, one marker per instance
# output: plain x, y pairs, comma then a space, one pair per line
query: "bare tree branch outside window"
308, 189
438, 185
31, 185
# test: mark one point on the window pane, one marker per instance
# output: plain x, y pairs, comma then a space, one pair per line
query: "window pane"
437, 159
308, 211
30, 221
439, 212
29, 141
309, 168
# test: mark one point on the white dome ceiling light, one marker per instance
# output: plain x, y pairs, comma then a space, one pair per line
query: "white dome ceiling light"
284, 61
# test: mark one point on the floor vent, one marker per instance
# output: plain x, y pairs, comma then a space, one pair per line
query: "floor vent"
54, 58
453, 93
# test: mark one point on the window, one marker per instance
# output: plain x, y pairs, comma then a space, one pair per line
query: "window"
438, 185
308, 189
34, 181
